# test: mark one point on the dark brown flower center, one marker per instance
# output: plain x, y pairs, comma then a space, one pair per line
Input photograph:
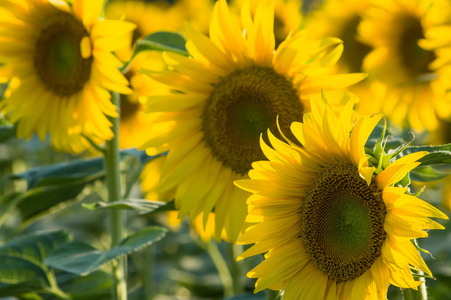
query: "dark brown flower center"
241, 107
354, 51
342, 222
57, 58
415, 59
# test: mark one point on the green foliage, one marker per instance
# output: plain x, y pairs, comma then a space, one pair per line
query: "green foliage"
7, 132
434, 166
82, 259
22, 269
162, 41
52, 186
140, 206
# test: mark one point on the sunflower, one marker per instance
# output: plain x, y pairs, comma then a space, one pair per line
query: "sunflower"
60, 56
332, 225
228, 92
149, 17
340, 19
288, 16
202, 226
395, 30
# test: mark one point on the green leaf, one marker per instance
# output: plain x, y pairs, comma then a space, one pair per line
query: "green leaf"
7, 290
163, 41
74, 171
141, 206
434, 166
437, 154
426, 174
82, 259
51, 186
36, 246
15, 270
94, 286
7, 132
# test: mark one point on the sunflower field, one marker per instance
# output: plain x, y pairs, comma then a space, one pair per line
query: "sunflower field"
225, 149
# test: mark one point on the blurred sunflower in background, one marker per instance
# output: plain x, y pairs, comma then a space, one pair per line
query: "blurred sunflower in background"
340, 19
228, 92
288, 16
332, 225
149, 17
401, 63
58, 58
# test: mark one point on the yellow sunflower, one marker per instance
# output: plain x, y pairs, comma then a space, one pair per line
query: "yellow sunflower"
149, 17
60, 57
203, 226
340, 19
288, 16
226, 94
395, 30
155, 16
331, 224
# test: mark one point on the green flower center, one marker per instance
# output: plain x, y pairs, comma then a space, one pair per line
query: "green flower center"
415, 59
241, 107
57, 57
342, 222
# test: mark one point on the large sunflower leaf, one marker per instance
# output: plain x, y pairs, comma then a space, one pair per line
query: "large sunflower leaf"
82, 259
36, 246
426, 174
142, 206
21, 262
7, 290
16, 270
94, 286
51, 186
434, 166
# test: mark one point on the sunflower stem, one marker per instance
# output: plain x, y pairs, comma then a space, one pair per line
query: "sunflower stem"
212, 249
236, 267
419, 294
116, 216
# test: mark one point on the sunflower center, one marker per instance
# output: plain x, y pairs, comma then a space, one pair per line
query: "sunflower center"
342, 222
414, 58
243, 105
57, 58
354, 51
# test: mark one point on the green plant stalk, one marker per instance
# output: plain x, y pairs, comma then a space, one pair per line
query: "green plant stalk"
116, 216
419, 294
236, 267
54, 288
220, 264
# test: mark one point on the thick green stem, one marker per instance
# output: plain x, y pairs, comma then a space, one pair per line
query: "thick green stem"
236, 268
420, 294
116, 216
221, 266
